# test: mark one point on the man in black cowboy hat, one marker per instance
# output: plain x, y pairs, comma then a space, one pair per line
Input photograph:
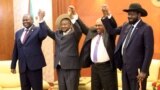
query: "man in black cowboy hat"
134, 49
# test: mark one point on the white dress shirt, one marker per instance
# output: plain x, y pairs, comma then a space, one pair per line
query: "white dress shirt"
102, 54
23, 34
67, 32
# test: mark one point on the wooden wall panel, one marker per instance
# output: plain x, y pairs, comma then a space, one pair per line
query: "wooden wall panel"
59, 7
6, 29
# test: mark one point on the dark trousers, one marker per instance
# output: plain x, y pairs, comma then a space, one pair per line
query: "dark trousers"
131, 83
103, 77
68, 79
31, 79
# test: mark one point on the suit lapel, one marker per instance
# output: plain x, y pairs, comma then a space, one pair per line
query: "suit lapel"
59, 34
133, 34
90, 35
30, 33
135, 31
105, 38
123, 35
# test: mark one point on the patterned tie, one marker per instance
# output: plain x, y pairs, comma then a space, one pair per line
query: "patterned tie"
25, 36
96, 49
128, 37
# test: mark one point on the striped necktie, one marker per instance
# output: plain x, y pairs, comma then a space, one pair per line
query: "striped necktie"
128, 37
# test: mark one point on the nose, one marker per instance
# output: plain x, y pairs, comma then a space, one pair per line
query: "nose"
63, 26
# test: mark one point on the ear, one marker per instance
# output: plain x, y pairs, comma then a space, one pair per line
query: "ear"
139, 14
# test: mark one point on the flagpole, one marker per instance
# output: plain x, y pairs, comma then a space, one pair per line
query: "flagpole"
29, 6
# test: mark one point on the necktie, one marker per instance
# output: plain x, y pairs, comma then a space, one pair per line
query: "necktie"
128, 37
25, 36
96, 49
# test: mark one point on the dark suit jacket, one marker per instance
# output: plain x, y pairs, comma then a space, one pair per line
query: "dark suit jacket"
66, 48
139, 51
30, 53
109, 42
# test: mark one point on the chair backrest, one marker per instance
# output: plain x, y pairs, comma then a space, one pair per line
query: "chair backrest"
154, 70
5, 66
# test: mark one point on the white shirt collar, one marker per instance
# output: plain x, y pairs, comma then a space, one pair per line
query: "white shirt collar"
134, 25
65, 33
29, 28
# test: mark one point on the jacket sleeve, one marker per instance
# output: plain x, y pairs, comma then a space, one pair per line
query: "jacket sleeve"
149, 48
77, 30
47, 30
43, 31
83, 27
14, 54
110, 25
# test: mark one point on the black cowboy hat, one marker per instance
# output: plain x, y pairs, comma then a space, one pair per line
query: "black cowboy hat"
136, 7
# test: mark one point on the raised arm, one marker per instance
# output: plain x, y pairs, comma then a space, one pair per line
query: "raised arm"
109, 22
42, 32
74, 18
44, 27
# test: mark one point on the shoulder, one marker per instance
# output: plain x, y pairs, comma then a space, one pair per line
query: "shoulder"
146, 26
19, 30
35, 28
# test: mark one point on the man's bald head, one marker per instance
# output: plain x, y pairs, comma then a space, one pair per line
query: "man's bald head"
99, 26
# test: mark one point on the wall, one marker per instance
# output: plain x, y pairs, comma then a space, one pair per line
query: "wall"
6, 29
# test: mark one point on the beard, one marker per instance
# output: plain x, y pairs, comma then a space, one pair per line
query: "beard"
133, 20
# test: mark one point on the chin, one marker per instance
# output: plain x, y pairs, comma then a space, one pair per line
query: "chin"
130, 22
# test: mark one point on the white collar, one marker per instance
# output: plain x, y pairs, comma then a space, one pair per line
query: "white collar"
29, 28
134, 25
65, 33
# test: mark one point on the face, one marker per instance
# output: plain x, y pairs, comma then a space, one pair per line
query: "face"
99, 26
65, 25
133, 17
27, 21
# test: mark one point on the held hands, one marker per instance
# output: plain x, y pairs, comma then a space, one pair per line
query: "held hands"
141, 76
71, 11
13, 71
41, 14
105, 10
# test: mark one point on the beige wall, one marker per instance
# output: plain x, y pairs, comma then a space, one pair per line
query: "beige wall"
21, 8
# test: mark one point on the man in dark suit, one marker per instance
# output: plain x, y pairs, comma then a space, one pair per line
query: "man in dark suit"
66, 59
134, 50
27, 50
97, 51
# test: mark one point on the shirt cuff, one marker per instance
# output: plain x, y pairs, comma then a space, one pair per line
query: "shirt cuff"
41, 21
109, 16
